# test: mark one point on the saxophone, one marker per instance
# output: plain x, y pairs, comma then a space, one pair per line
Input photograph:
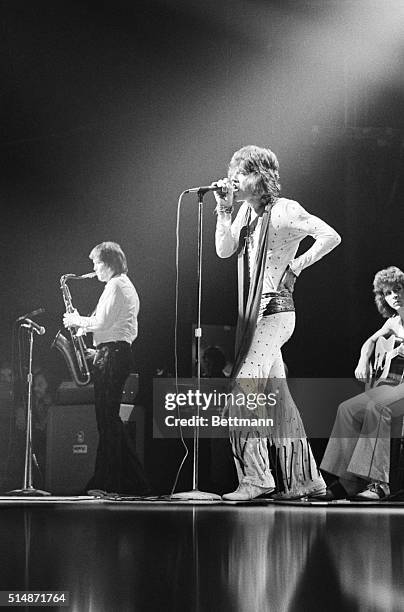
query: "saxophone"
73, 351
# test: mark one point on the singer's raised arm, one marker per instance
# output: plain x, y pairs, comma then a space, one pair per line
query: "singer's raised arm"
227, 233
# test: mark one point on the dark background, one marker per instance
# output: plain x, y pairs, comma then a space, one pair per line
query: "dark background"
110, 109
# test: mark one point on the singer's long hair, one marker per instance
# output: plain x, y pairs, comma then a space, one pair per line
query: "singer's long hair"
111, 254
261, 168
390, 278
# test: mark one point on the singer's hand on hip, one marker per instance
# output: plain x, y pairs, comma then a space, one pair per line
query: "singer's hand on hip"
71, 319
288, 279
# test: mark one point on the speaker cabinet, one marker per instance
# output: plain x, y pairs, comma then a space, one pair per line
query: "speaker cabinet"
72, 440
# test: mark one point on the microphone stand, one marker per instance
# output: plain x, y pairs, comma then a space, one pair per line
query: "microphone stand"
196, 494
27, 487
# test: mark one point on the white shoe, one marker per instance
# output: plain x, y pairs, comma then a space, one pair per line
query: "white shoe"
375, 491
246, 491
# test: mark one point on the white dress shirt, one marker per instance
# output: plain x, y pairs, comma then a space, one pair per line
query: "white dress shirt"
115, 317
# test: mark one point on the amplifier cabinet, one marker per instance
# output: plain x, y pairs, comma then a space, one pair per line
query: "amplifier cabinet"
72, 440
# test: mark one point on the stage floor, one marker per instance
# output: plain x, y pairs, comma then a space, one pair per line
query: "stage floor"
127, 554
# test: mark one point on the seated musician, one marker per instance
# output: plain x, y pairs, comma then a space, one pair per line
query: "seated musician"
358, 451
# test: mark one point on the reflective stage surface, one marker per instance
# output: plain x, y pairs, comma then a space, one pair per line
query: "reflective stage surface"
124, 557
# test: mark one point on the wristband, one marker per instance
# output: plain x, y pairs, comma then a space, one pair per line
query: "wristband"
221, 208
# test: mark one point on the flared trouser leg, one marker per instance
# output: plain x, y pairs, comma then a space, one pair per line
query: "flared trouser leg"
359, 445
262, 369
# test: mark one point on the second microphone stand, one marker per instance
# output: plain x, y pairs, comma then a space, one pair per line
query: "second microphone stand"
196, 494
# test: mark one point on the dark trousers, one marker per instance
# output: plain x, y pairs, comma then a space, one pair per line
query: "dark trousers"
117, 467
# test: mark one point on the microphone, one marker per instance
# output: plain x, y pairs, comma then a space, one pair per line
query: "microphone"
222, 189
39, 329
33, 313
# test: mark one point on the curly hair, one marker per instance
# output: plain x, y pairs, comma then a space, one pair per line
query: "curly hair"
111, 254
390, 278
261, 168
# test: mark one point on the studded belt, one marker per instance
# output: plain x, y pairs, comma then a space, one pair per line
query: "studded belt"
272, 303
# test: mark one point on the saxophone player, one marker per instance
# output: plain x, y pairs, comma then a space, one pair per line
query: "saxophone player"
114, 327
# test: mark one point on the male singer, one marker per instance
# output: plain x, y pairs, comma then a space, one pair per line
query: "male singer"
114, 327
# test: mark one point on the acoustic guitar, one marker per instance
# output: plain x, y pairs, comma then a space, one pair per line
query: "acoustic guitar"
388, 364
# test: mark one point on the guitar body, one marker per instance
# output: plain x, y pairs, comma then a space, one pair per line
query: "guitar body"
388, 365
